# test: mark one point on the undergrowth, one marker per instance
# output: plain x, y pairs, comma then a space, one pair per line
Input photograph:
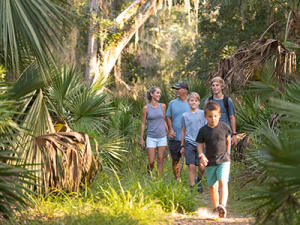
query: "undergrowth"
130, 196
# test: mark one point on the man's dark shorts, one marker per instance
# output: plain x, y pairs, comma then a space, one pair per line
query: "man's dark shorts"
191, 154
174, 147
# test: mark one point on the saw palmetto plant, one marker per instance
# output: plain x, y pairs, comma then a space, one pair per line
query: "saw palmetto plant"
57, 115
29, 30
13, 179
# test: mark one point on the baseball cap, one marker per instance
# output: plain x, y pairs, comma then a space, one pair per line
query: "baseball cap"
181, 85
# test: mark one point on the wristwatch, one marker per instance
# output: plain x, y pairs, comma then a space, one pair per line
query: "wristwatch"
234, 133
181, 146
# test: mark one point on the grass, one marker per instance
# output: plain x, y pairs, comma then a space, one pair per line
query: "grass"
132, 197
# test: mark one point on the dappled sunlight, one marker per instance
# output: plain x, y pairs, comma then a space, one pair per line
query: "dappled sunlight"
206, 213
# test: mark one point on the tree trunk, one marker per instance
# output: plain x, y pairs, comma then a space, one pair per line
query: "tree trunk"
140, 10
169, 6
113, 9
196, 6
187, 7
92, 68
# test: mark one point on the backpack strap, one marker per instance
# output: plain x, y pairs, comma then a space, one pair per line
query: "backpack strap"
226, 104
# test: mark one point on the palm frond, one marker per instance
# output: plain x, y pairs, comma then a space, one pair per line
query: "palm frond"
111, 151
87, 109
13, 179
252, 113
29, 80
29, 28
199, 86
278, 199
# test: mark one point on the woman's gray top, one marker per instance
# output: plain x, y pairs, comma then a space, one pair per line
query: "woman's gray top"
155, 122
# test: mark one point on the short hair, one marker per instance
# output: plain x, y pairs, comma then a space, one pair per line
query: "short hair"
211, 106
194, 95
218, 80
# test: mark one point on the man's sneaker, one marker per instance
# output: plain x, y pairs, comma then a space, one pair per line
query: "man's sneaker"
200, 188
222, 211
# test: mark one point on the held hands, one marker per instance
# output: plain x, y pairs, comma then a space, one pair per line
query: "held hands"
172, 133
203, 160
182, 150
142, 142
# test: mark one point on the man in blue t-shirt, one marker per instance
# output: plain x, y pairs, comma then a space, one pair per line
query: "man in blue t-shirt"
227, 116
174, 113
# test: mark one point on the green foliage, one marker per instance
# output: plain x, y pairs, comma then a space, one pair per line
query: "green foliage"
84, 110
13, 179
29, 29
2, 73
220, 21
171, 195
275, 151
199, 86
279, 193
110, 205
252, 113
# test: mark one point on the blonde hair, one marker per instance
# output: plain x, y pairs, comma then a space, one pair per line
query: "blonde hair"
194, 95
218, 80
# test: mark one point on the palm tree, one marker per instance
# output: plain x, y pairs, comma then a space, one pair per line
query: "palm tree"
29, 31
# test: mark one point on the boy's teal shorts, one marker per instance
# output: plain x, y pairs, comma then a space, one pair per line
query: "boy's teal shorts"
218, 172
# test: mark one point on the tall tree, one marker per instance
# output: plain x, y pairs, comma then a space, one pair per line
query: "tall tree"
92, 68
139, 11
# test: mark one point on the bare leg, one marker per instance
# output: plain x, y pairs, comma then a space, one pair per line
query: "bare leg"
201, 171
176, 167
223, 192
160, 159
192, 174
214, 195
151, 159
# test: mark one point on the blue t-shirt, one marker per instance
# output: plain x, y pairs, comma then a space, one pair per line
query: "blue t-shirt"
193, 121
175, 110
224, 117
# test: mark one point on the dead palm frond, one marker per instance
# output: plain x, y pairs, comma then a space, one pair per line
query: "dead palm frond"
239, 68
67, 160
